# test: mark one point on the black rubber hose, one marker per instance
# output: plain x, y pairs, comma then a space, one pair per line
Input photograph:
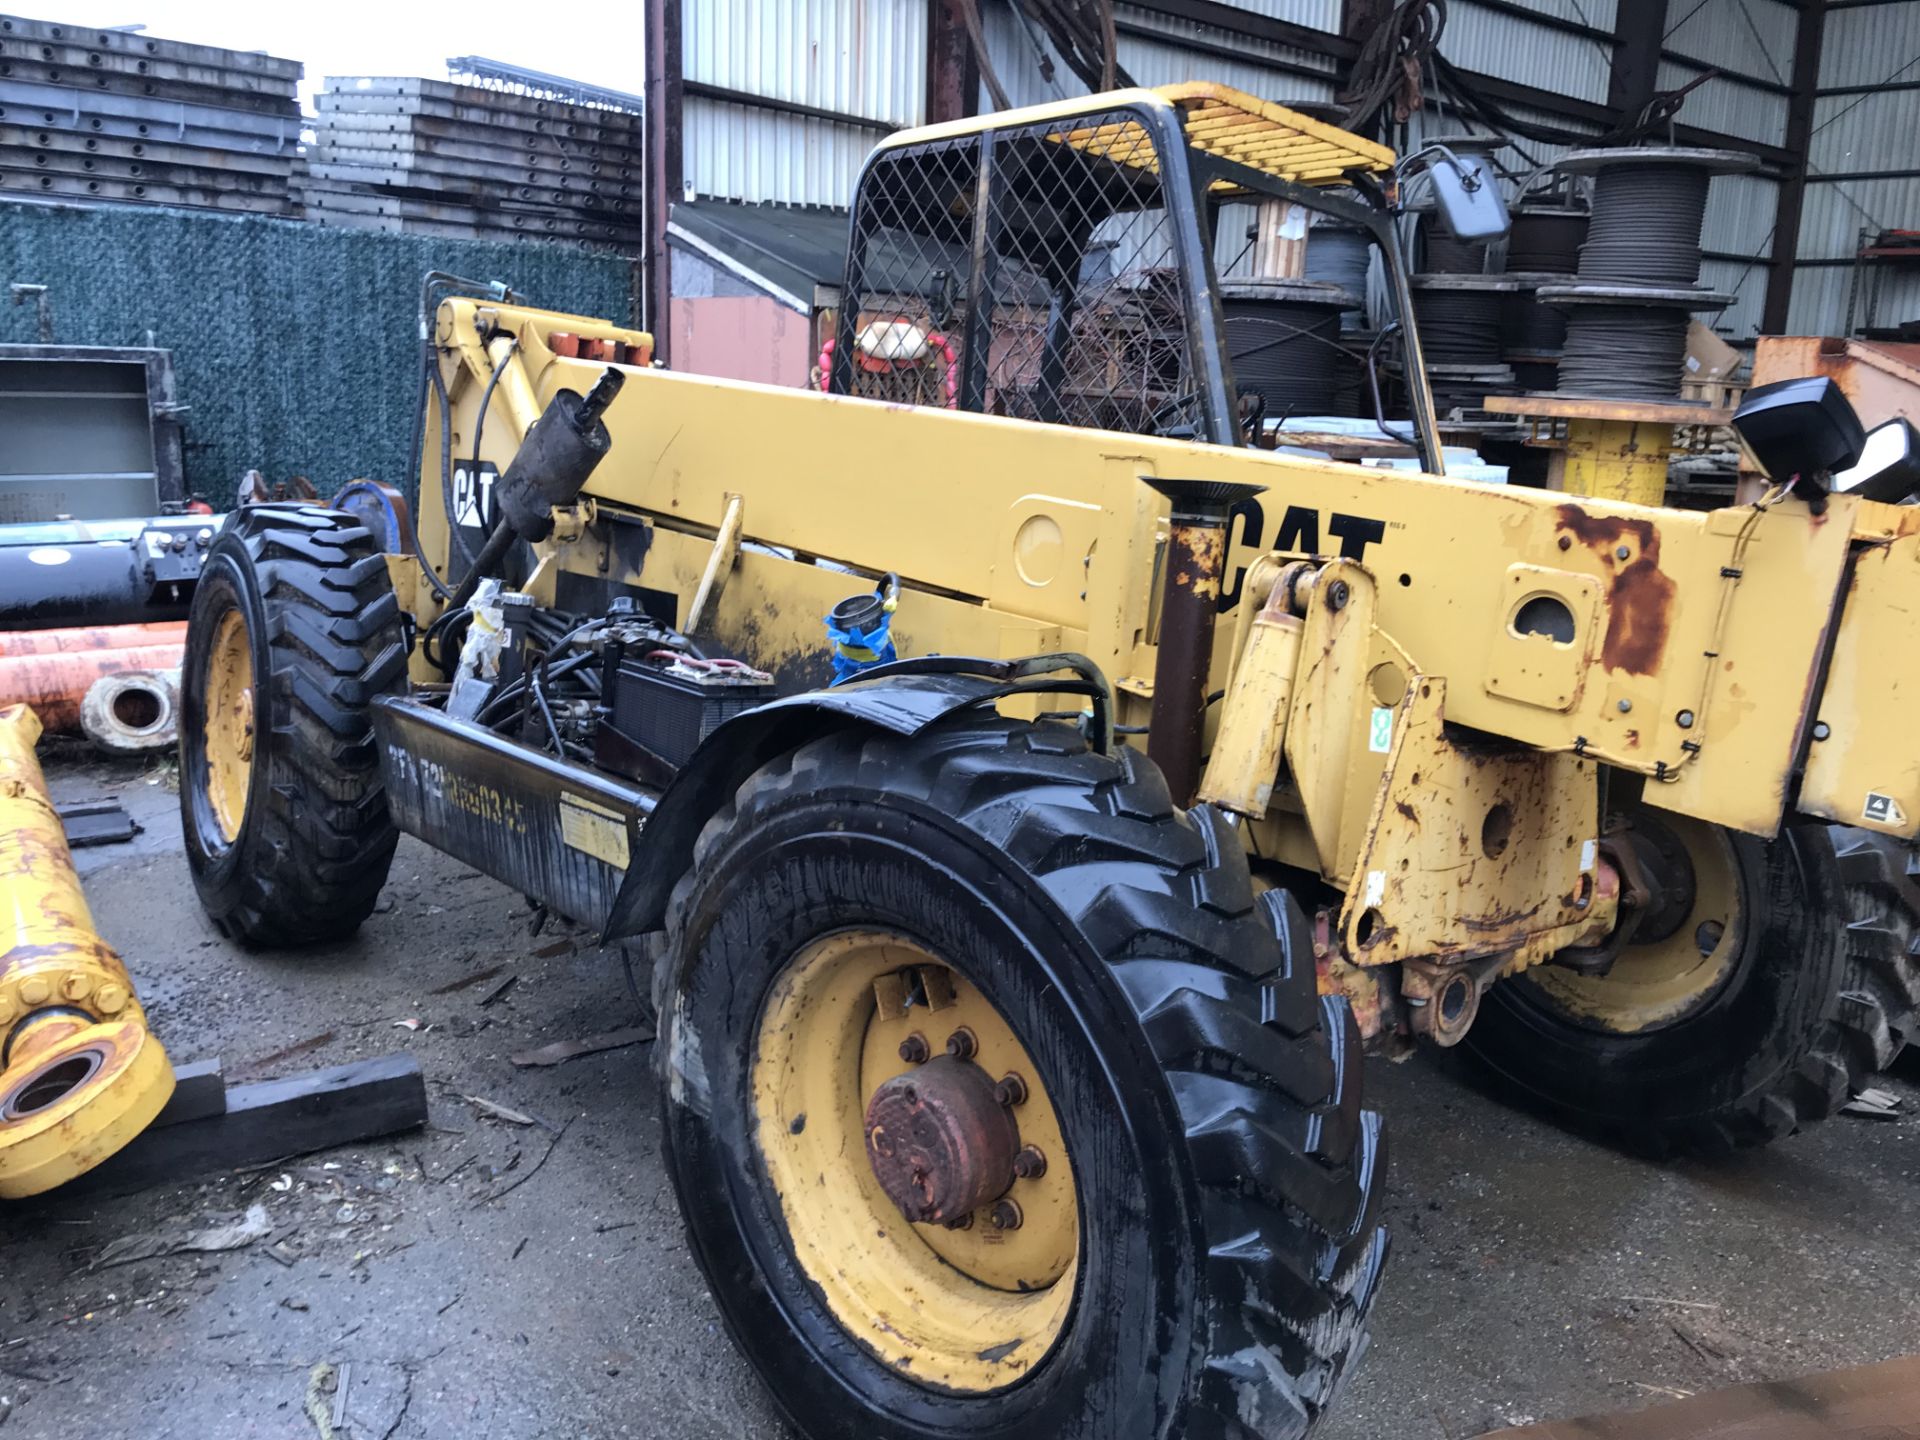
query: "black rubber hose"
486, 399
440, 586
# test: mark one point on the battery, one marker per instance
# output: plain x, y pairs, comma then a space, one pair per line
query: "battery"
669, 702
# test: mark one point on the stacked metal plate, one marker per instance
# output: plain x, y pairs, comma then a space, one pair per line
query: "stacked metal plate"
437, 158
89, 114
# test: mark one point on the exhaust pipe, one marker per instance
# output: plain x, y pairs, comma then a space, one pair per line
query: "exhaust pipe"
1189, 601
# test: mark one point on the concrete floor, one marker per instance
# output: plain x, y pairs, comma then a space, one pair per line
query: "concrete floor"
1535, 1276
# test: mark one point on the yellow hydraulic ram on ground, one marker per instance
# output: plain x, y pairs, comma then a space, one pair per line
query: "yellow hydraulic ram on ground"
80, 1074
1013, 990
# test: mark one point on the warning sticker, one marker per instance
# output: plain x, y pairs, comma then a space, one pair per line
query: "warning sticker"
1380, 732
1882, 810
1589, 853
594, 830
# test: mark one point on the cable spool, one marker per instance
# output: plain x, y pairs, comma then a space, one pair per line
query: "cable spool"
1624, 352
1546, 240
1459, 320
1341, 255
1442, 254
1459, 317
1283, 341
1527, 328
1649, 207
1626, 342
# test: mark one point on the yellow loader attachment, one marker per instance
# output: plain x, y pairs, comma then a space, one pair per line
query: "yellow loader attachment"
80, 1073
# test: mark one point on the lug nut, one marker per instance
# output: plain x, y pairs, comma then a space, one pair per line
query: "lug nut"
963, 1222
1006, 1215
1011, 1091
961, 1044
914, 1049
1030, 1164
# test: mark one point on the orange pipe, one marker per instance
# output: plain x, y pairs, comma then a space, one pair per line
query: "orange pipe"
54, 685
92, 637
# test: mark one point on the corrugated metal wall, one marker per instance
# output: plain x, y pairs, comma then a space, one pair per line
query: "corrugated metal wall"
1511, 47
859, 58
1856, 132
1251, 65
866, 60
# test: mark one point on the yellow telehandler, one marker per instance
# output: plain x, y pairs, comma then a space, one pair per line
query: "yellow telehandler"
1036, 795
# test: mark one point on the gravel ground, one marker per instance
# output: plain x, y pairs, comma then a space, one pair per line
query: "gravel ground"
1535, 1276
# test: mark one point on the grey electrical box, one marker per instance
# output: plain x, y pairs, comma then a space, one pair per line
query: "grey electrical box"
87, 432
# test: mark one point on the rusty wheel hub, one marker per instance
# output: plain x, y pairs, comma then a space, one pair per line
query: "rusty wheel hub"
940, 1144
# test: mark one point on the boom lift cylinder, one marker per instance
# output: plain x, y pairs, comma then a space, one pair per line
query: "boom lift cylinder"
80, 1074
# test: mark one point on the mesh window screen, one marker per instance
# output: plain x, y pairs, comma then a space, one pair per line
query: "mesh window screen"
1052, 293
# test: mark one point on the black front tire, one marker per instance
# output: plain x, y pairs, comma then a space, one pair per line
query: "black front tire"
1228, 1178
1823, 997
325, 633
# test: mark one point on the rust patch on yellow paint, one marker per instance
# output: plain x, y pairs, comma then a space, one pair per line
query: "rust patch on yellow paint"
1639, 597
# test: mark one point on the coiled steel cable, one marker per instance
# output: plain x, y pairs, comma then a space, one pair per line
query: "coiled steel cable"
1459, 327
1646, 224
1288, 352
1545, 242
1446, 255
1339, 255
1529, 328
1624, 352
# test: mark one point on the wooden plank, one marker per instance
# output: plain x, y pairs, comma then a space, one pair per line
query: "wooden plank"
1575, 407
1868, 1402
95, 822
199, 1090
268, 1121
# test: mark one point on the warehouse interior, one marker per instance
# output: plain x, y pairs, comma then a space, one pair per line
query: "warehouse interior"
1330, 579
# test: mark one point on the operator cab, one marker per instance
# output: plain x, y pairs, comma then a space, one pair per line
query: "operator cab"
1079, 263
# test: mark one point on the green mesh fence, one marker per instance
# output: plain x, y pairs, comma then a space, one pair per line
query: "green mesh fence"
296, 347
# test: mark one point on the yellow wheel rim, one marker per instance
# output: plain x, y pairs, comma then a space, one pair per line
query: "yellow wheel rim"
970, 1309
228, 729
1663, 980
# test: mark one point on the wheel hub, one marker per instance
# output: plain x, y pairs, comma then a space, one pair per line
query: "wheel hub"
940, 1144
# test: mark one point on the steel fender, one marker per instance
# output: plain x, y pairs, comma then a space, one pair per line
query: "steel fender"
901, 704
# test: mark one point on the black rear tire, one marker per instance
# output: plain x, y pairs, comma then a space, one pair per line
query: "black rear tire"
1228, 1178
1822, 998
324, 632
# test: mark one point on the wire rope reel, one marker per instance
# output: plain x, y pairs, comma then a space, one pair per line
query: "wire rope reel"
1283, 342
1626, 342
1341, 255
1459, 320
1637, 280
1649, 209
1543, 249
